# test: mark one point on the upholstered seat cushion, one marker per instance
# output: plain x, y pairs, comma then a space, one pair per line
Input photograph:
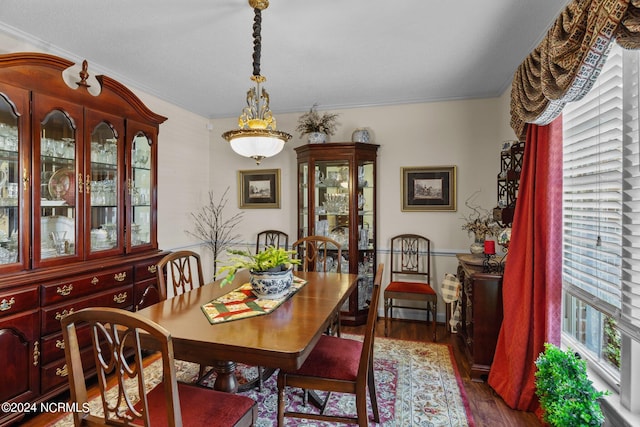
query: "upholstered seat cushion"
200, 406
334, 358
410, 287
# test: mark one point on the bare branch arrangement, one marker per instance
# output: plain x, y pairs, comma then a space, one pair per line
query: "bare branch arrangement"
214, 230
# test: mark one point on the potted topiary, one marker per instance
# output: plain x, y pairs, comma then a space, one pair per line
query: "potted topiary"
271, 271
318, 127
567, 396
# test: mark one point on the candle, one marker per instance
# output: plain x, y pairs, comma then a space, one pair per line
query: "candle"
489, 247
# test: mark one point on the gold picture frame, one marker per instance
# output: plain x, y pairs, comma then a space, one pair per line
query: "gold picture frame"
428, 188
259, 189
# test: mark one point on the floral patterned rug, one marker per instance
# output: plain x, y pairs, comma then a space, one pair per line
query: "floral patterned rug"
417, 384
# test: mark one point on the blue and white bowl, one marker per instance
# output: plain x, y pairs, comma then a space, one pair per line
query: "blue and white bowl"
271, 284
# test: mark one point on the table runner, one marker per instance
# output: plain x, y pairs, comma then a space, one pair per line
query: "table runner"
242, 303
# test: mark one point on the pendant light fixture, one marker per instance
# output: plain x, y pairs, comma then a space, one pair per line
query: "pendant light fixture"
257, 136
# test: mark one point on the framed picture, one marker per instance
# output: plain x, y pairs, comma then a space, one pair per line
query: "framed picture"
429, 188
259, 189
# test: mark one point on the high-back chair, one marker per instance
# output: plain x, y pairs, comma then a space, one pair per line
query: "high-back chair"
115, 334
317, 253
272, 238
182, 269
410, 276
338, 365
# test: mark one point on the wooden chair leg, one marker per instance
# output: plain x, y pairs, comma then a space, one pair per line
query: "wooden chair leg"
372, 393
386, 317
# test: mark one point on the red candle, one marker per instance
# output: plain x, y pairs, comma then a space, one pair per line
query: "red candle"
489, 247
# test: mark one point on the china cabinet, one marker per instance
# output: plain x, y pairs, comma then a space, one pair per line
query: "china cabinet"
78, 164
337, 199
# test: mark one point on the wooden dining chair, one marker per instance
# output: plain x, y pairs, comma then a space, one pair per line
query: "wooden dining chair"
338, 365
272, 238
315, 253
410, 278
115, 335
182, 269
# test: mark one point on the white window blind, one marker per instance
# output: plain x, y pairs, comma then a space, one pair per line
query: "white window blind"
601, 204
630, 304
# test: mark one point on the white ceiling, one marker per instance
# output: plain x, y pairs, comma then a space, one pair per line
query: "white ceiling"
337, 53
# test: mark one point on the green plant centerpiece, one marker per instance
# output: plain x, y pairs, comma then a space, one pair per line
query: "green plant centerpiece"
317, 126
271, 271
566, 394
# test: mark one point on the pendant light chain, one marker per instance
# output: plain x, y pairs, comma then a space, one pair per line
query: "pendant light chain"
257, 41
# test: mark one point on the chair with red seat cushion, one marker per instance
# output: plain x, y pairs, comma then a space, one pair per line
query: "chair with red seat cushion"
117, 353
338, 365
410, 278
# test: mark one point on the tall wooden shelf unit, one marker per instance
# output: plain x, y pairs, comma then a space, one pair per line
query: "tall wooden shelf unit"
337, 199
78, 169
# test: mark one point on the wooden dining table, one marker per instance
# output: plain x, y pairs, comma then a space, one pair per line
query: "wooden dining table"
281, 339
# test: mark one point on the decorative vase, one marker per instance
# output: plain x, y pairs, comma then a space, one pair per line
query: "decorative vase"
317, 137
271, 284
361, 135
477, 247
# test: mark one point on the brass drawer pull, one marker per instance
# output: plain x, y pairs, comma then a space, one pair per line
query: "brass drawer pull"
6, 305
60, 344
64, 290
120, 277
62, 372
120, 298
36, 353
95, 280
152, 268
65, 313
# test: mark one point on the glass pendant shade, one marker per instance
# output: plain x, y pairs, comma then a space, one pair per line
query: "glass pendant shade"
256, 143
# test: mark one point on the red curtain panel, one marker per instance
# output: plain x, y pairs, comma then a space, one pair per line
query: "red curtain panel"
532, 281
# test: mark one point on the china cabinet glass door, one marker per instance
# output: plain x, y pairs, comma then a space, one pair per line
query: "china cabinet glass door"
11, 176
103, 184
141, 182
331, 213
57, 179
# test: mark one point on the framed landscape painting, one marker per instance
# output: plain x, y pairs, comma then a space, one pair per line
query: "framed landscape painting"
429, 188
259, 189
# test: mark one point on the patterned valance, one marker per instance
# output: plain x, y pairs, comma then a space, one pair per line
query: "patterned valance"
567, 62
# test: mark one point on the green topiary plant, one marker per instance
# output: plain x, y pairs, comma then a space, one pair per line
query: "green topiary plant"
566, 394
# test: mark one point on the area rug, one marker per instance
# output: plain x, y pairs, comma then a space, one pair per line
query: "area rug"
417, 384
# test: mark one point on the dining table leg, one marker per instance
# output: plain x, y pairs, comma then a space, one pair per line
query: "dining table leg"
225, 376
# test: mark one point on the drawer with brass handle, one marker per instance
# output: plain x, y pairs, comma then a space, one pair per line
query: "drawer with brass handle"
59, 291
13, 301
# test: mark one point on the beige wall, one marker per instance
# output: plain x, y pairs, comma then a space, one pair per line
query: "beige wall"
193, 159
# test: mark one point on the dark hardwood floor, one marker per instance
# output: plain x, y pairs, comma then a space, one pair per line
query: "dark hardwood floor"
488, 408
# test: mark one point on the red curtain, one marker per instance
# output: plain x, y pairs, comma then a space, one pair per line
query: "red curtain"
532, 281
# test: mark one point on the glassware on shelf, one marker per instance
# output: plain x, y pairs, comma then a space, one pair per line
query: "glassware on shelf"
60, 243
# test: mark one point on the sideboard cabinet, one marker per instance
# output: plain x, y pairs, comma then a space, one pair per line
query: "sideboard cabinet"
337, 199
78, 166
481, 314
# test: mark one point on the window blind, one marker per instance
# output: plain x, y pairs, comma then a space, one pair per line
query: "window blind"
630, 304
592, 201
601, 204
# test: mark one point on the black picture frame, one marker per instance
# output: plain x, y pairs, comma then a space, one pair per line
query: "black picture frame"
429, 188
259, 189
